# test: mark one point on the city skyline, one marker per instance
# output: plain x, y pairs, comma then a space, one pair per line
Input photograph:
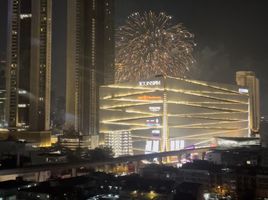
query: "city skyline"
133, 99
230, 35
225, 43
216, 58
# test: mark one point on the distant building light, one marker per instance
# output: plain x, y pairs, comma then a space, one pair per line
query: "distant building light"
22, 92
23, 16
154, 108
155, 131
153, 122
176, 145
69, 140
243, 91
22, 105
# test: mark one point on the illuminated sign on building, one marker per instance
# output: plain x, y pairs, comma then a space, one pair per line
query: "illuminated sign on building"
154, 108
243, 91
145, 97
152, 122
156, 131
149, 83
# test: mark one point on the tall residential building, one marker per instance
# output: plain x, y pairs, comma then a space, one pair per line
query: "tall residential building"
248, 79
2, 92
90, 60
28, 64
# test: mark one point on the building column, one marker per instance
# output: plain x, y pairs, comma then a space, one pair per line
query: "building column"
74, 172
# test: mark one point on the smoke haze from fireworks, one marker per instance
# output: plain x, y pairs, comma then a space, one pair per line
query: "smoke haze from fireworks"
148, 44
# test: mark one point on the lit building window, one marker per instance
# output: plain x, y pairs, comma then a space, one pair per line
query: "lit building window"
22, 105
22, 92
23, 16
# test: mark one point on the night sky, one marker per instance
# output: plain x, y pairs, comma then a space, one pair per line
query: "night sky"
231, 35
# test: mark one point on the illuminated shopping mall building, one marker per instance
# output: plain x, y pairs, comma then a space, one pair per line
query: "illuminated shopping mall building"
167, 113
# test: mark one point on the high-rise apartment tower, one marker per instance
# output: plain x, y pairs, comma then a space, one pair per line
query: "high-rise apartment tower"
90, 58
28, 64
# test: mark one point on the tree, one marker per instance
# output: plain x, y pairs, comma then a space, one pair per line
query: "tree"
100, 153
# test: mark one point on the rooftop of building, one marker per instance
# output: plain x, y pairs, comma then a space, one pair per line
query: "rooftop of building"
14, 184
153, 82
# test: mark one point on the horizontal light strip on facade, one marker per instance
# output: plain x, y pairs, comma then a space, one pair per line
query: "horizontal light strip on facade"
209, 134
126, 94
202, 124
207, 85
208, 118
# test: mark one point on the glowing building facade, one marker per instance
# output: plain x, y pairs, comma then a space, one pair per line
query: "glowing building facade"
167, 113
248, 79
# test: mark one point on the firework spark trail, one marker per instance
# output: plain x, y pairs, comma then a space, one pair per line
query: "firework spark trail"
149, 45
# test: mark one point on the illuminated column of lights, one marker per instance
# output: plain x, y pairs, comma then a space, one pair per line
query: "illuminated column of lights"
165, 145
249, 117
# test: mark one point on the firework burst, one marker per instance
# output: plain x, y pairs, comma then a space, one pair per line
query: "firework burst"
148, 44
